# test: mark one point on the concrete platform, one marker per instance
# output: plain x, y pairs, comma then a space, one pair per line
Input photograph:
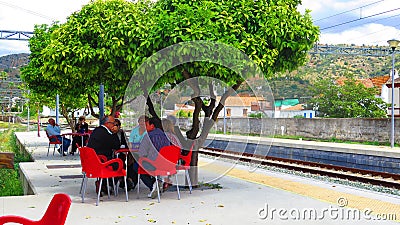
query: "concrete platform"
249, 196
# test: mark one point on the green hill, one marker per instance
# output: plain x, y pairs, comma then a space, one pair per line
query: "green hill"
10, 76
285, 85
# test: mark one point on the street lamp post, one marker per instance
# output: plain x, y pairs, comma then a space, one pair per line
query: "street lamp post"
393, 44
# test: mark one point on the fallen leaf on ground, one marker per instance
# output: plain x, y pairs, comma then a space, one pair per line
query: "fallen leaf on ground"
151, 220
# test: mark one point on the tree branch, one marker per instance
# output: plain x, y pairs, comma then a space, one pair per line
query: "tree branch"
208, 109
221, 103
90, 104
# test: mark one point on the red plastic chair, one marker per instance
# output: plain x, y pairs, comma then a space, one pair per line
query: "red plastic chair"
164, 164
102, 158
53, 140
187, 159
87, 139
92, 167
55, 214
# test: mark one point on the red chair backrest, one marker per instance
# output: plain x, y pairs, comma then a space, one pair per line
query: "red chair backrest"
57, 211
165, 161
167, 157
188, 158
55, 141
90, 161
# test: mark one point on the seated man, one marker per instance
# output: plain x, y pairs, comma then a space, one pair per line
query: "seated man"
104, 142
81, 127
54, 129
149, 147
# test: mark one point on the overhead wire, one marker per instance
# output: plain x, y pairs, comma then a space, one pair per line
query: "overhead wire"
362, 18
338, 14
368, 34
27, 10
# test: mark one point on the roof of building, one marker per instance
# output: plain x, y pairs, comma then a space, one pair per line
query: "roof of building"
286, 102
240, 101
297, 107
380, 81
396, 83
366, 82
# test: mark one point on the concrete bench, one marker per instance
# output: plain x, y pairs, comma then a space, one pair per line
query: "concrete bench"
7, 160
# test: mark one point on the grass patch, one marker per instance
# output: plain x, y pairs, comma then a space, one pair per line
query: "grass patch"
333, 140
294, 137
210, 185
10, 185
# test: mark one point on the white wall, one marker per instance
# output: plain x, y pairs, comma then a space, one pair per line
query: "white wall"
236, 111
396, 100
291, 114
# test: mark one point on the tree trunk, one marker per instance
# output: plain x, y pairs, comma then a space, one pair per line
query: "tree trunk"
193, 171
70, 121
207, 125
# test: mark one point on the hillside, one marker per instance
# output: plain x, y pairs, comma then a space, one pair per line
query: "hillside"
296, 83
10, 76
286, 85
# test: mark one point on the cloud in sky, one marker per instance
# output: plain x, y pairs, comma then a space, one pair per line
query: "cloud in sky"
374, 21
368, 34
22, 15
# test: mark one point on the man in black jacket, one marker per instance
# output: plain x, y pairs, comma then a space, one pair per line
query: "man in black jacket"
103, 140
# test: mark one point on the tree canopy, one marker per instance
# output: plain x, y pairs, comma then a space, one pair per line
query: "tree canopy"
272, 33
108, 40
349, 99
44, 88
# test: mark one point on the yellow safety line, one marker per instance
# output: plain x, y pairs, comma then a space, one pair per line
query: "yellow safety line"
377, 207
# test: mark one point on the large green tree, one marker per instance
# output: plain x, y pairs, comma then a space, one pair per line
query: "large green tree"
107, 40
44, 88
347, 99
271, 32
94, 47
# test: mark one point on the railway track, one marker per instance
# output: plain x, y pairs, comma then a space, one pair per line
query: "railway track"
364, 176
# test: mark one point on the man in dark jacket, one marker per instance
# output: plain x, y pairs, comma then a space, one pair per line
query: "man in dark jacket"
103, 140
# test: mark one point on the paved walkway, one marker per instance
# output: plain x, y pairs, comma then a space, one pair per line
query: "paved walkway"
248, 196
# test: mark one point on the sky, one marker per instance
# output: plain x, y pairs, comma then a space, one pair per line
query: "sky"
364, 22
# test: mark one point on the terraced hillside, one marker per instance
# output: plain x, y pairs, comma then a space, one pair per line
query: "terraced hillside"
10, 77
286, 85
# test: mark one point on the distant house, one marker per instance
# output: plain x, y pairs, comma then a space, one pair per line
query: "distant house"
235, 106
380, 83
241, 106
291, 107
388, 95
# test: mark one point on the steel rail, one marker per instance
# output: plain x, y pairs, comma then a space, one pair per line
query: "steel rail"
353, 174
